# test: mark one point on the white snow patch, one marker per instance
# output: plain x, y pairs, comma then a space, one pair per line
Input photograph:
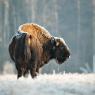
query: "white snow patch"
55, 84
8, 68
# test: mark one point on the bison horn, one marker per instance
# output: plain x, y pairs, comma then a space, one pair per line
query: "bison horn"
57, 43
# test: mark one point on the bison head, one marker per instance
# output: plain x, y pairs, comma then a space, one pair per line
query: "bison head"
57, 49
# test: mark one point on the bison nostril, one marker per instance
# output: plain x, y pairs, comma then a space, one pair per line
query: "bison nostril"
68, 55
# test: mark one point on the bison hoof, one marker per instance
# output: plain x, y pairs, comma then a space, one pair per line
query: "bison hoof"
34, 75
18, 76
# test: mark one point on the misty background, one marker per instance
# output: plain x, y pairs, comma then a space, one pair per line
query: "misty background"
73, 20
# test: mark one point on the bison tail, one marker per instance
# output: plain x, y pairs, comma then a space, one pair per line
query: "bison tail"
12, 48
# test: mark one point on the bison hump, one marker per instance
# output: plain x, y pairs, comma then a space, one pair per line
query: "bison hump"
36, 31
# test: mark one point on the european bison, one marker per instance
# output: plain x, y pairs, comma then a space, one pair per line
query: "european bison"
33, 46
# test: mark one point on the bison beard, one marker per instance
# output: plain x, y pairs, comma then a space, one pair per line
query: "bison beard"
33, 47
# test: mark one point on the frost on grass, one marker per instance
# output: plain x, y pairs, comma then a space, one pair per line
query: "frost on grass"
56, 84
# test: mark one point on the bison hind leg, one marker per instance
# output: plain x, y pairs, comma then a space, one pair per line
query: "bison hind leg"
33, 74
26, 73
19, 75
19, 71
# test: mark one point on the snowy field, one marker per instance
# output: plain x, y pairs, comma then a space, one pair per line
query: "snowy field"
56, 84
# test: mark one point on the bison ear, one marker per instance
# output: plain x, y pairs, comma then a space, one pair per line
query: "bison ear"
50, 45
53, 41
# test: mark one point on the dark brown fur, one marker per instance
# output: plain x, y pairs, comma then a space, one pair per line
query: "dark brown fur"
36, 47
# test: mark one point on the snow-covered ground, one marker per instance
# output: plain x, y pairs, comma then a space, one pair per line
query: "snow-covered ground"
55, 84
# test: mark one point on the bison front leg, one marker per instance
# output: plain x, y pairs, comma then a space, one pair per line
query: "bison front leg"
37, 70
38, 67
33, 70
